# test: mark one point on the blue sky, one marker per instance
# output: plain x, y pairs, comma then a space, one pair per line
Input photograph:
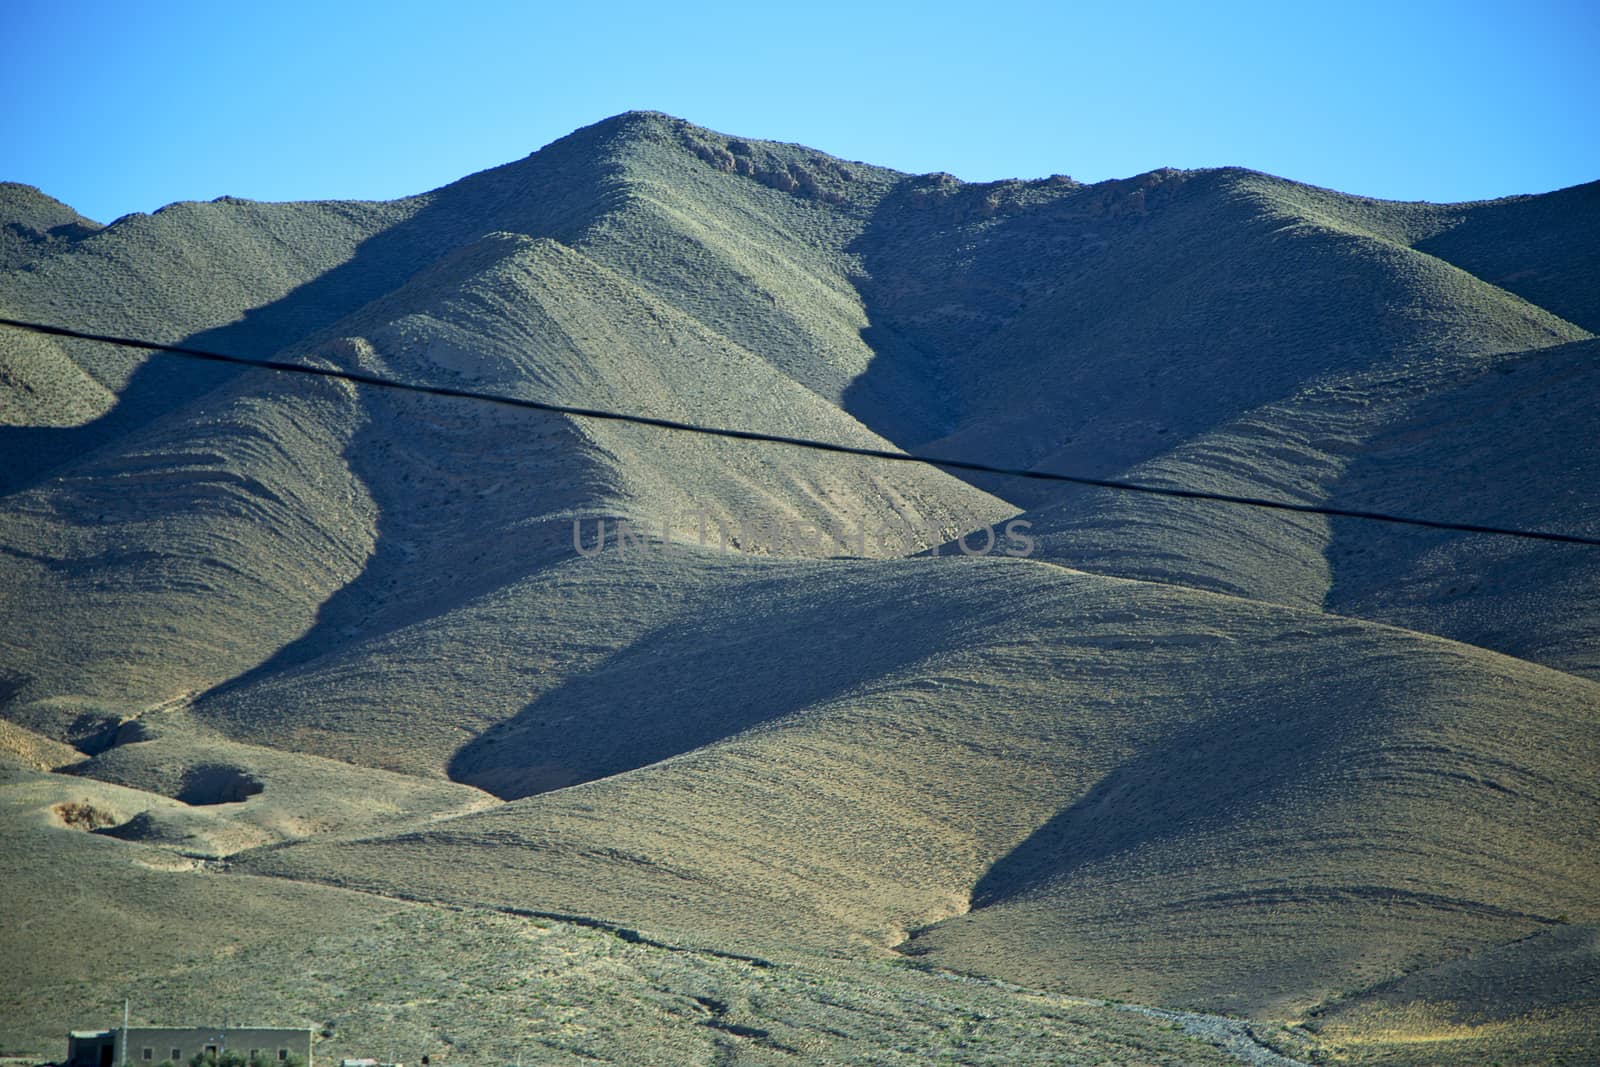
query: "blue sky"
119, 107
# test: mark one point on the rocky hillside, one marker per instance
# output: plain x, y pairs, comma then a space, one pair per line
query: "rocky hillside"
301, 654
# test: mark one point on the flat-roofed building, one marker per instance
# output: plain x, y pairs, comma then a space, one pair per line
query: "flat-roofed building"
151, 1046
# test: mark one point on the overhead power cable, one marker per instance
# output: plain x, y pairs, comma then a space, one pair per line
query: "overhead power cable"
1119, 485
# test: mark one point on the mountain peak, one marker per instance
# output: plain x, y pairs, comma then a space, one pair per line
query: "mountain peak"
32, 222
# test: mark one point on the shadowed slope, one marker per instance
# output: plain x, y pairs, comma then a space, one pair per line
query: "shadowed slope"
1445, 440
1543, 248
410, 698
1372, 350
1088, 329
1514, 444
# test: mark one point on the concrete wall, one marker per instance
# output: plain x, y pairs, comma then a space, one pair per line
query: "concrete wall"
165, 1043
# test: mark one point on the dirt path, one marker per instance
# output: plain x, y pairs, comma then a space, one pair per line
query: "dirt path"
1234, 1036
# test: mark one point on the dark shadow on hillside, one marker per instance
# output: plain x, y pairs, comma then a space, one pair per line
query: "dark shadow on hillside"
159, 386
1090, 329
705, 677
1194, 779
464, 510
1481, 452
1543, 248
933, 289
946, 268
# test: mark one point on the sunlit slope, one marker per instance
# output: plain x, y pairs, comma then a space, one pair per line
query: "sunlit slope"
233, 275
137, 890
179, 559
1138, 786
276, 272
474, 986
1431, 830
1540, 247
190, 267
33, 750
535, 318
754, 239
233, 796
1530, 1001
248, 278
44, 387
33, 225
424, 504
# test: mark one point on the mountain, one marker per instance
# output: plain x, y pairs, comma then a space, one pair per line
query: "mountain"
332, 669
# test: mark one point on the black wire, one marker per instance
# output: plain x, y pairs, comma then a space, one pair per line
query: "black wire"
800, 442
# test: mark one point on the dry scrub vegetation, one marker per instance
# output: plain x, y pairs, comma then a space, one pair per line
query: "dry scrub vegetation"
389, 757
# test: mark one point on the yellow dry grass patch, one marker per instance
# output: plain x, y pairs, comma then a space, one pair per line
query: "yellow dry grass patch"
1420, 1024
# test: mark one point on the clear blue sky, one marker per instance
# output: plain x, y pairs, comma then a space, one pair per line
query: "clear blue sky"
117, 107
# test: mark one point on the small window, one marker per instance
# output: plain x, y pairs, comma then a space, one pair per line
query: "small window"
283, 1055
177, 1055
255, 1054
149, 1054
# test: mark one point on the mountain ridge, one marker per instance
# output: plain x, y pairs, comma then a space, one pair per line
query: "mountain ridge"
1189, 753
